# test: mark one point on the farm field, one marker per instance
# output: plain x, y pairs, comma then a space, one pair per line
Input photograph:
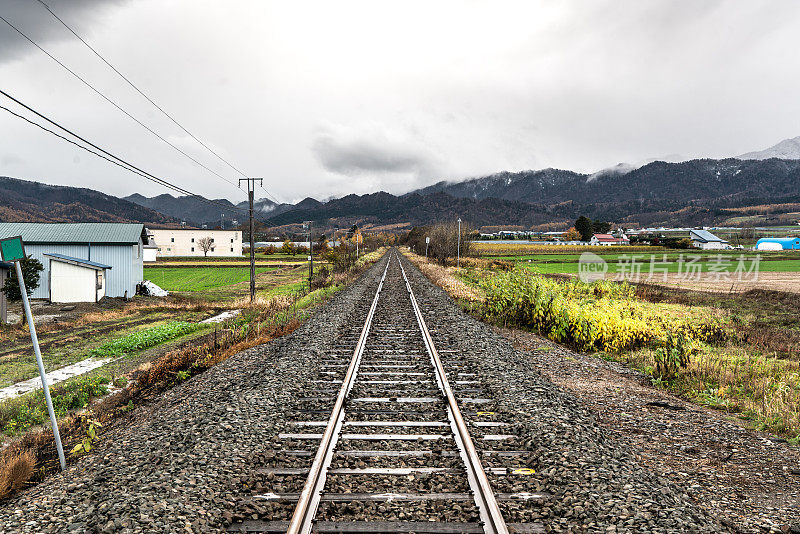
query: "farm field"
788, 282
198, 279
704, 264
233, 259
82, 342
657, 253
489, 248
622, 259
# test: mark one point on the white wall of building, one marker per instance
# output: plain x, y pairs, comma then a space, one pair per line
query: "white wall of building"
149, 254
184, 242
73, 283
711, 245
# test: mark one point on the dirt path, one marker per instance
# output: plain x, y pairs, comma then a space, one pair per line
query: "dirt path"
751, 480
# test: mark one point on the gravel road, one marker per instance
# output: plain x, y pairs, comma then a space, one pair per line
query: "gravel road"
181, 464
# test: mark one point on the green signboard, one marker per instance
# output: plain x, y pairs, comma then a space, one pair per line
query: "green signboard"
12, 249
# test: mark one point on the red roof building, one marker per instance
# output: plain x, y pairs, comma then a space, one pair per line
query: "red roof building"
608, 240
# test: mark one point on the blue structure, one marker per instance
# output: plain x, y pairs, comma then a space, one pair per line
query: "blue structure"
786, 243
115, 245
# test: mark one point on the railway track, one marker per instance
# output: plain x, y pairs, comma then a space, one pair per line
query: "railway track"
396, 436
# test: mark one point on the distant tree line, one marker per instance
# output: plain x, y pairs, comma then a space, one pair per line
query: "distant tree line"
660, 240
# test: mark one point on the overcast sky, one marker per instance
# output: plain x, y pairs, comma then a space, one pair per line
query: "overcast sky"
329, 98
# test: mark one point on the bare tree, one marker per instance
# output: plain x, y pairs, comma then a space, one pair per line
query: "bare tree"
205, 244
444, 243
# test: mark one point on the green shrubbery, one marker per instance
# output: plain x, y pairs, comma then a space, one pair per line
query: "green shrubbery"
144, 339
30, 410
602, 316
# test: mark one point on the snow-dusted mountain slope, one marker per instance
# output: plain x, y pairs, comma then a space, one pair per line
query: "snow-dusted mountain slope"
786, 149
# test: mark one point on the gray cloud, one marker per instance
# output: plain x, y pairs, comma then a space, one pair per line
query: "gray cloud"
36, 22
370, 149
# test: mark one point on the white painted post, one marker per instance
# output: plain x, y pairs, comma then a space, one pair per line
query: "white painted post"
35, 340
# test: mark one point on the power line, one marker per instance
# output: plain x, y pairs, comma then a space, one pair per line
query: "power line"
124, 164
159, 108
107, 99
34, 123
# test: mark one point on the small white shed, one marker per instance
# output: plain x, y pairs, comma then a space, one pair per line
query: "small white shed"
76, 280
150, 252
150, 249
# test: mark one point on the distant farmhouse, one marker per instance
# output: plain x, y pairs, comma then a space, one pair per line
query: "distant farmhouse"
705, 240
778, 243
608, 240
186, 242
83, 261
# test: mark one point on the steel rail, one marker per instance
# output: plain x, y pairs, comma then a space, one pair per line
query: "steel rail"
303, 515
492, 518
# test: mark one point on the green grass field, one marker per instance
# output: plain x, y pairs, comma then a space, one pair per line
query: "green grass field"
199, 278
244, 258
706, 261
614, 266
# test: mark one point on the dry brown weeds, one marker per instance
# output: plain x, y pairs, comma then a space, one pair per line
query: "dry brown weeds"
15, 471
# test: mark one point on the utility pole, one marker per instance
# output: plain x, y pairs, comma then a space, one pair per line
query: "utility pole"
307, 226
251, 185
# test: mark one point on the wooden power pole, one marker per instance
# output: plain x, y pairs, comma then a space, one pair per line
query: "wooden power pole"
251, 185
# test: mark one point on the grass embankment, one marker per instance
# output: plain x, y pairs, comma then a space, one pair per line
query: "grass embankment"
692, 345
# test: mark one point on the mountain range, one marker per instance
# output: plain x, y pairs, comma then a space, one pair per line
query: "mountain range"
23, 200
695, 192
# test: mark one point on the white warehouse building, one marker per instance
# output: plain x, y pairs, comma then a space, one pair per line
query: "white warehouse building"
187, 242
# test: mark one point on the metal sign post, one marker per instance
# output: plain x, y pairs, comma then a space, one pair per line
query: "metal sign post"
307, 226
459, 244
358, 240
427, 242
13, 250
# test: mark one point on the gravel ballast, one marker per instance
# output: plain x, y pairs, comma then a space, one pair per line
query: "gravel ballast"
184, 462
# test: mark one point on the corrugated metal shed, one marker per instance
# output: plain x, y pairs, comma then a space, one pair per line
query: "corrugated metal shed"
117, 245
116, 233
